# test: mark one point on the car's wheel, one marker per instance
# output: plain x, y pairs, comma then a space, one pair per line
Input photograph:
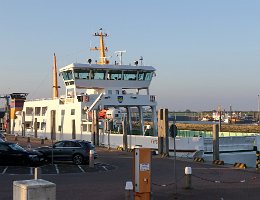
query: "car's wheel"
77, 159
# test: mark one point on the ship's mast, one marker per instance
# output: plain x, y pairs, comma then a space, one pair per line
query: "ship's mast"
101, 48
54, 80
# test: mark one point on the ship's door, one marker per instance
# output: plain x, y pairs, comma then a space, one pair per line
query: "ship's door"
73, 129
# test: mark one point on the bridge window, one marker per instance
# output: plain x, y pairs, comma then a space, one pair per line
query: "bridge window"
148, 76
145, 75
98, 74
81, 74
114, 75
130, 75
67, 75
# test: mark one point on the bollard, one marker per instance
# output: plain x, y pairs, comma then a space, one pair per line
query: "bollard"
36, 173
128, 190
16, 137
42, 141
91, 158
28, 139
188, 173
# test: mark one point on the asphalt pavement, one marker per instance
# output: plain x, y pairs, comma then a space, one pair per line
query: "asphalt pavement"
208, 181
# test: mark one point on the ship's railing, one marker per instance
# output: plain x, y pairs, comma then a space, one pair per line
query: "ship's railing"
231, 143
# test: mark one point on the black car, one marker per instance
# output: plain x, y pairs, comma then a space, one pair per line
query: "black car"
2, 136
76, 151
13, 154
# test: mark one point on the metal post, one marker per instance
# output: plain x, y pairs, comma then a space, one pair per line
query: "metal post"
35, 127
29, 143
109, 132
8, 116
125, 145
23, 123
96, 128
42, 141
129, 118
36, 173
129, 190
188, 173
141, 119
175, 176
93, 129
155, 125
215, 142
258, 107
53, 124
91, 158
52, 151
219, 128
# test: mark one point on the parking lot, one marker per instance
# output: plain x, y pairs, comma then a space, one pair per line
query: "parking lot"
63, 168
102, 182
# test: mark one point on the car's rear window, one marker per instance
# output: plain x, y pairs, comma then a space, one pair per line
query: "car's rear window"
88, 145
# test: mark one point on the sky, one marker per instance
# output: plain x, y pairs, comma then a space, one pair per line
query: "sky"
206, 52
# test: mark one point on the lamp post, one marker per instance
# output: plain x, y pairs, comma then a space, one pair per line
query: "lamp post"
258, 109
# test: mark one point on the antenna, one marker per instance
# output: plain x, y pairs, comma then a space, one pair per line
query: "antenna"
141, 59
120, 54
102, 47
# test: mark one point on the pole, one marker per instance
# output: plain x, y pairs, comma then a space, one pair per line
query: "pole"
109, 139
219, 119
258, 109
23, 123
175, 178
8, 116
124, 134
36, 173
91, 158
51, 151
215, 142
35, 127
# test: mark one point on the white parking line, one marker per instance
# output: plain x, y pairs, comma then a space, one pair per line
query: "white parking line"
81, 169
4, 170
57, 169
104, 167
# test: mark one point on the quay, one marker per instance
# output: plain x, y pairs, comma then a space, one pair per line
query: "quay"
209, 181
224, 127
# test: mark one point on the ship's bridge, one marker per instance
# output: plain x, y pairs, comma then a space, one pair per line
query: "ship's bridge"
94, 76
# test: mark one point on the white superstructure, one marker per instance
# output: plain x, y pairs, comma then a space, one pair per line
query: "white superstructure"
89, 87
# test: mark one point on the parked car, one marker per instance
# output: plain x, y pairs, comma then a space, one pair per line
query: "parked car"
2, 136
13, 154
76, 151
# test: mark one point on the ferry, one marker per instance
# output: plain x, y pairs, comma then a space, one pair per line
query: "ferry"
94, 86
98, 104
